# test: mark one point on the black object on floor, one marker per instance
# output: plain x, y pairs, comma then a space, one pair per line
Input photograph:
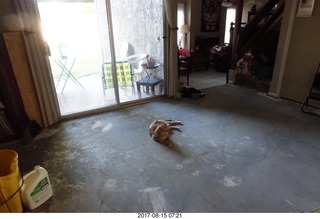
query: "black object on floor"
191, 92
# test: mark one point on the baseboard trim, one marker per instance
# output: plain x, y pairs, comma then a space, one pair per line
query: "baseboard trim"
271, 94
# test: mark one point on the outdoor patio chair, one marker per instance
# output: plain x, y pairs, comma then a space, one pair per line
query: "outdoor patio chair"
124, 75
136, 61
66, 64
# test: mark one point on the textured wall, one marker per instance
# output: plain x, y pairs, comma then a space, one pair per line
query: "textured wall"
140, 23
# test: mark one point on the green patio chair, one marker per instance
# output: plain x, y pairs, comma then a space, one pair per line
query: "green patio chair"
124, 74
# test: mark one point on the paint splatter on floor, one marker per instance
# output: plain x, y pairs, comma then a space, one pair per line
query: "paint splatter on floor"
232, 181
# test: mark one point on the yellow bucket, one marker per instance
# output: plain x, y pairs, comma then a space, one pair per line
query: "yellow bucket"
10, 200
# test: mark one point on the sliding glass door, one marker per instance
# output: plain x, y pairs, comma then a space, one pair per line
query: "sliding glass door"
104, 52
137, 36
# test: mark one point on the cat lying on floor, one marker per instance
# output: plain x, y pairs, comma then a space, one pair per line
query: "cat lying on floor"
160, 131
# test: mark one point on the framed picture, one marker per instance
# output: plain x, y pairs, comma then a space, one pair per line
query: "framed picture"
305, 8
210, 18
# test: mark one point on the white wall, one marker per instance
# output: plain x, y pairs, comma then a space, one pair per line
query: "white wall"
196, 10
303, 56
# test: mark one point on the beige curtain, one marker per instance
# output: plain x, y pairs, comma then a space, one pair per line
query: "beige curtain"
38, 54
172, 63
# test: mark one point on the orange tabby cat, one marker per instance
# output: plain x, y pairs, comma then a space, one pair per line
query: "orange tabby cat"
160, 131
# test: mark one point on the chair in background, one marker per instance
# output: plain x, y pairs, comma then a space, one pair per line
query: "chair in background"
66, 63
313, 94
136, 65
124, 75
184, 65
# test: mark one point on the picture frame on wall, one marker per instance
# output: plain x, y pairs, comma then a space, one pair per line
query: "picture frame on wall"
305, 8
210, 18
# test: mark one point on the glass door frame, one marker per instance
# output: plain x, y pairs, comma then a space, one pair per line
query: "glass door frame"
117, 103
111, 34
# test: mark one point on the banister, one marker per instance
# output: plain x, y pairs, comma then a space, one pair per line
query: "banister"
249, 29
255, 37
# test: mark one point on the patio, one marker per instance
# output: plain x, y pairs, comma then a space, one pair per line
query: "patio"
74, 97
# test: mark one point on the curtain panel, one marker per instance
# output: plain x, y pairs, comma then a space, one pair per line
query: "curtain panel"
37, 50
172, 63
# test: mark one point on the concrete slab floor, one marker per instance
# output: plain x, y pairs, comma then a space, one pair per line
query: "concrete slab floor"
239, 151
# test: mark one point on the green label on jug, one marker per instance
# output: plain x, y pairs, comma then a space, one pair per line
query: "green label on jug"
41, 186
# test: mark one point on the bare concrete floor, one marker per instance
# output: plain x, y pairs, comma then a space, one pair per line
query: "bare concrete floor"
239, 151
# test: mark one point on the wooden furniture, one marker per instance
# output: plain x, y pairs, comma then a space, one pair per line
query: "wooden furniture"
200, 60
247, 81
184, 67
252, 14
220, 58
201, 54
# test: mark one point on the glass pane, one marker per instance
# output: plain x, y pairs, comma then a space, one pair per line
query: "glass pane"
138, 30
80, 38
72, 31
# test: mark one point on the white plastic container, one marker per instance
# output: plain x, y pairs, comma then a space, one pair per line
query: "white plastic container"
36, 188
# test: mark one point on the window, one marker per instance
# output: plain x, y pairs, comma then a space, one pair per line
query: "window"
180, 21
231, 17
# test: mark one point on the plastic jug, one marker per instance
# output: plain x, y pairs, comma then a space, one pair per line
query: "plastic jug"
36, 188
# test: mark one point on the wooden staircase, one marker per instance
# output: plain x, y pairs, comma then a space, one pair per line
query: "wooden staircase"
246, 36
261, 23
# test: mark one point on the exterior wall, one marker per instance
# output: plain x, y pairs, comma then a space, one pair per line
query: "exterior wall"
139, 23
144, 24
